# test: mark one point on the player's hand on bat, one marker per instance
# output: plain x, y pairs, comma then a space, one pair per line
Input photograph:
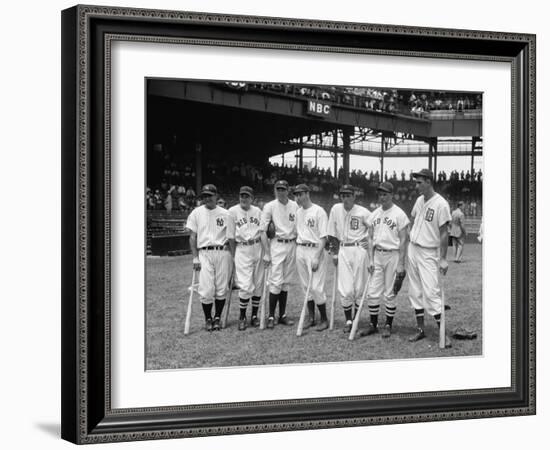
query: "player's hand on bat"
371, 268
267, 260
443, 266
196, 264
315, 264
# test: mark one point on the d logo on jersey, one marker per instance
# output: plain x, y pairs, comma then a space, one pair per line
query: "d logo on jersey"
220, 222
291, 217
429, 215
354, 223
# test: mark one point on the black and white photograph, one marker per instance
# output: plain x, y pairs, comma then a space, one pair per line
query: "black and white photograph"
298, 224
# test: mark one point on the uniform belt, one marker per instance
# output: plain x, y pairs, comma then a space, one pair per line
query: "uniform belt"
249, 242
384, 250
214, 247
307, 244
285, 241
350, 244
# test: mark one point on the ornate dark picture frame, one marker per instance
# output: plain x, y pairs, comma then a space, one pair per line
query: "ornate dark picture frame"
87, 33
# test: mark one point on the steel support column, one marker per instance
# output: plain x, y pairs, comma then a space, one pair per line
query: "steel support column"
198, 167
345, 156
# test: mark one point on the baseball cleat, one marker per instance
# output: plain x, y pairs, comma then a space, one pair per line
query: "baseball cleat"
270, 323
447, 307
285, 321
208, 325
242, 324
309, 323
216, 324
323, 325
386, 331
418, 335
371, 329
348, 326
254, 321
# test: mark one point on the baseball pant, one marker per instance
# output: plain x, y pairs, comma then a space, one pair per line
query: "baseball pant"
382, 279
214, 275
283, 262
423, 275
352, 264
249, 270
304, 258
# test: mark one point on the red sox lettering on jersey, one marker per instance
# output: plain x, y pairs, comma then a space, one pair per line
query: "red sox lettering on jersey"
244, 226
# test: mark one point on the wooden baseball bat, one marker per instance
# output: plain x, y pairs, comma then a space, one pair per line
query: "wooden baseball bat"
263, 300
359, 309
304, 307
333, 300
442, 321
226, 313
189, 305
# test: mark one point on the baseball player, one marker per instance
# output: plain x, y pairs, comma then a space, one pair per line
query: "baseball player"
208, 241
427, 251
247, 244
388, 235
458, 232
311, 257
281, 252
348, 226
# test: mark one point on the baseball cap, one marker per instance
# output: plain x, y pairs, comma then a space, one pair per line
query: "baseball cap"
386, 186
281, 184
301, 188
246, 190
425, 173
209, 189
347, 189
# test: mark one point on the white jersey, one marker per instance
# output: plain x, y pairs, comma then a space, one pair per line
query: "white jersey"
386, 226
209, 224
311, 224
428, 217
348, 226
244, 225
283, 216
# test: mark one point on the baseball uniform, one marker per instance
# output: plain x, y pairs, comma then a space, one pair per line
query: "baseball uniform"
210, 225
350, 227
283, 245
245, 228
386, 226
423, 253
311, 224
457, 224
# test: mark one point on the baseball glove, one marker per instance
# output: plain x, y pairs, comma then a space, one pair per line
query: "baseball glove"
399, 278
270, 232
463, 334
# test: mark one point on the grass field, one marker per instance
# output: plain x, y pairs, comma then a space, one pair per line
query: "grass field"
167, 348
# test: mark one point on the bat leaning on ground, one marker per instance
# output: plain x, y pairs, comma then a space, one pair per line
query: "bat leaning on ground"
263, 300
189, 305
358, 312
226, 313
333, 300
304, 307
442, 321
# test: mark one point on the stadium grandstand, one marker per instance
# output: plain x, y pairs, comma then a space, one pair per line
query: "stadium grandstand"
236, 133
